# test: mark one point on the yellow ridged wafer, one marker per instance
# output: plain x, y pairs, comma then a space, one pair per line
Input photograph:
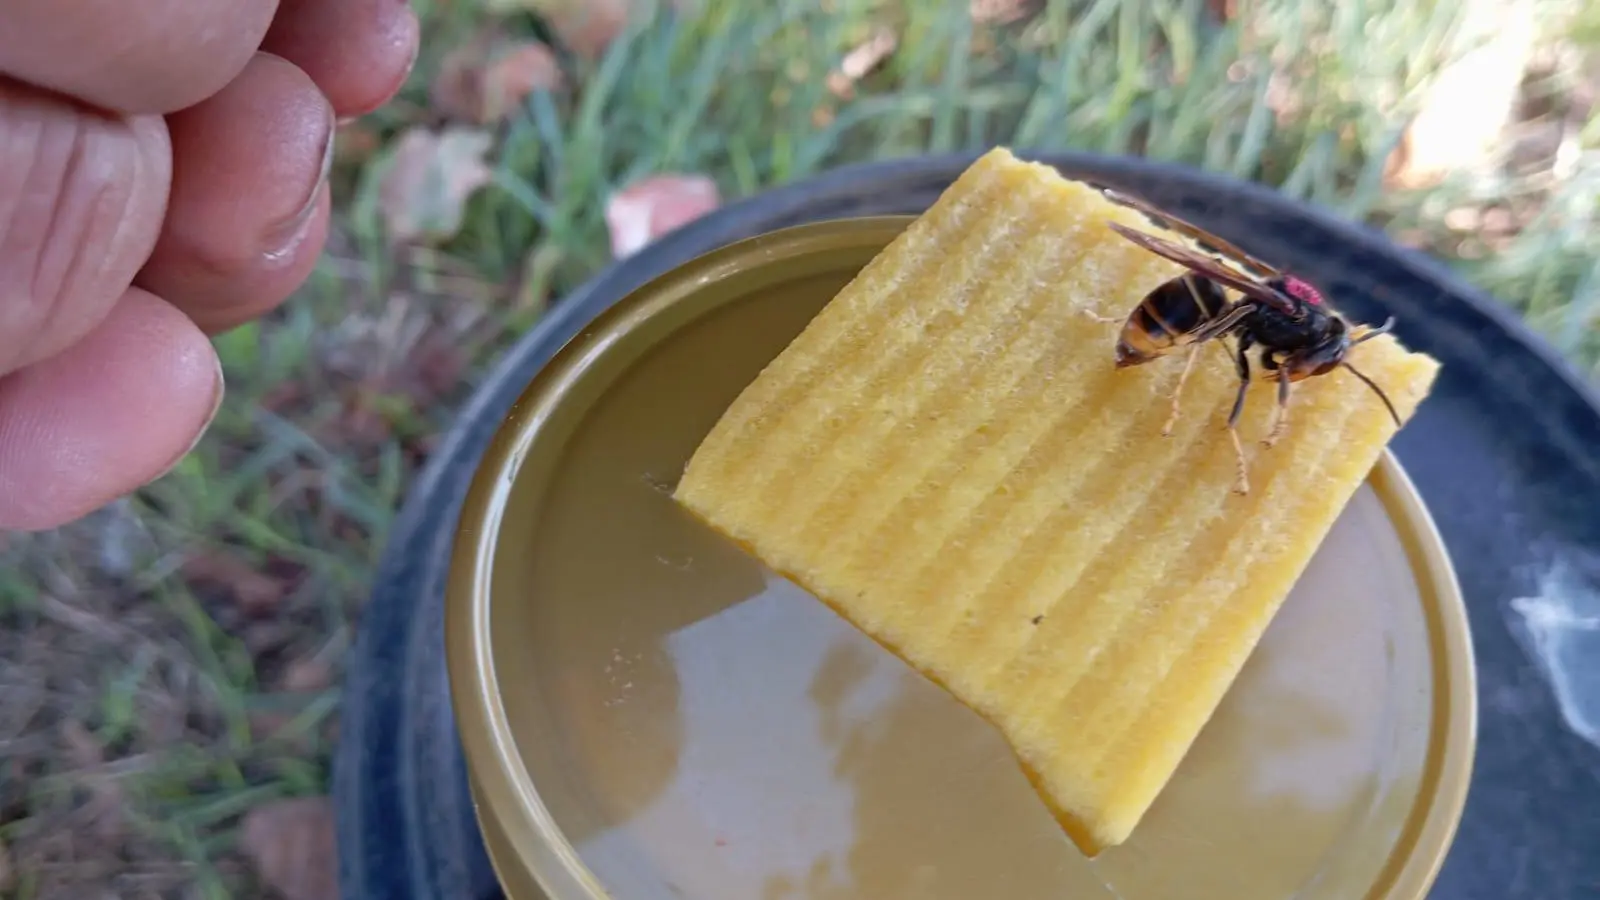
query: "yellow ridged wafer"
948, 458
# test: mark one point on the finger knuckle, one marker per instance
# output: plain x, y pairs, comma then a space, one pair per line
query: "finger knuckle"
73, 227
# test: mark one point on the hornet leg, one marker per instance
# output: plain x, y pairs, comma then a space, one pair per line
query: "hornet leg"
1242, 363
1214, 329
1194, 350
1280, 413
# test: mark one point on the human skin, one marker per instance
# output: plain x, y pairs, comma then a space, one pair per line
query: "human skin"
163, 169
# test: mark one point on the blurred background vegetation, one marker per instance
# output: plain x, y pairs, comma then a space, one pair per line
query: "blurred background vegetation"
172, 662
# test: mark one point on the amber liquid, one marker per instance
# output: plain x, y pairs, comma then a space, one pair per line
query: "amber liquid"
701, 728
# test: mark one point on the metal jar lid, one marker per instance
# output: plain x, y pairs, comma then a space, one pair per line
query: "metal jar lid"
646, 713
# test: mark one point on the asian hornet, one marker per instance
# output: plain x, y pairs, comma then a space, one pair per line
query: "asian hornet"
1297, 334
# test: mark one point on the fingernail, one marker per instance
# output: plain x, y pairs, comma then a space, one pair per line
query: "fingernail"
220, 391
285, 236
411, 33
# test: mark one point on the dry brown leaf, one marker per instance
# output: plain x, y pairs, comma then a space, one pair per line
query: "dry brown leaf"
861, 59
257, 592
454, 90
485, 80
290, 843
651, 207
1002, 12
517, 71
586, 27
423, 194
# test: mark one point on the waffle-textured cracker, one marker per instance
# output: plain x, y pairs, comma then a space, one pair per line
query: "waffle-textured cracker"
948, 458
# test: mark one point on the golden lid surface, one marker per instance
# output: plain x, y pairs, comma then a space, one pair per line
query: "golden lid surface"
647, 713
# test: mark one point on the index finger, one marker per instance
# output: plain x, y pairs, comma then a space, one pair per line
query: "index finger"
131, 56
357, 51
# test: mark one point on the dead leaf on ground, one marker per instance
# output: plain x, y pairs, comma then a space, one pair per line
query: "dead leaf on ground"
1002, 12
517, 71
651, 207
485, 80
586, 27
861, 59
423, 194
290, 843
453, 92
256, 591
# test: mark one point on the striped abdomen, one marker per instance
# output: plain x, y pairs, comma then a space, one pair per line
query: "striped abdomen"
1168, 315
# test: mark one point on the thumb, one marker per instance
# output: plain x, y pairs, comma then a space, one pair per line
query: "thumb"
112, 412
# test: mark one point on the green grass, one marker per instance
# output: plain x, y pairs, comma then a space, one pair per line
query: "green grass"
177, 627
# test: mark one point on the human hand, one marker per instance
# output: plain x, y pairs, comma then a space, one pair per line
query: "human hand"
162, 172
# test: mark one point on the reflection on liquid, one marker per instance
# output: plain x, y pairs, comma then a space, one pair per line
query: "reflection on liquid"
807, 771
812, 764
708, 731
